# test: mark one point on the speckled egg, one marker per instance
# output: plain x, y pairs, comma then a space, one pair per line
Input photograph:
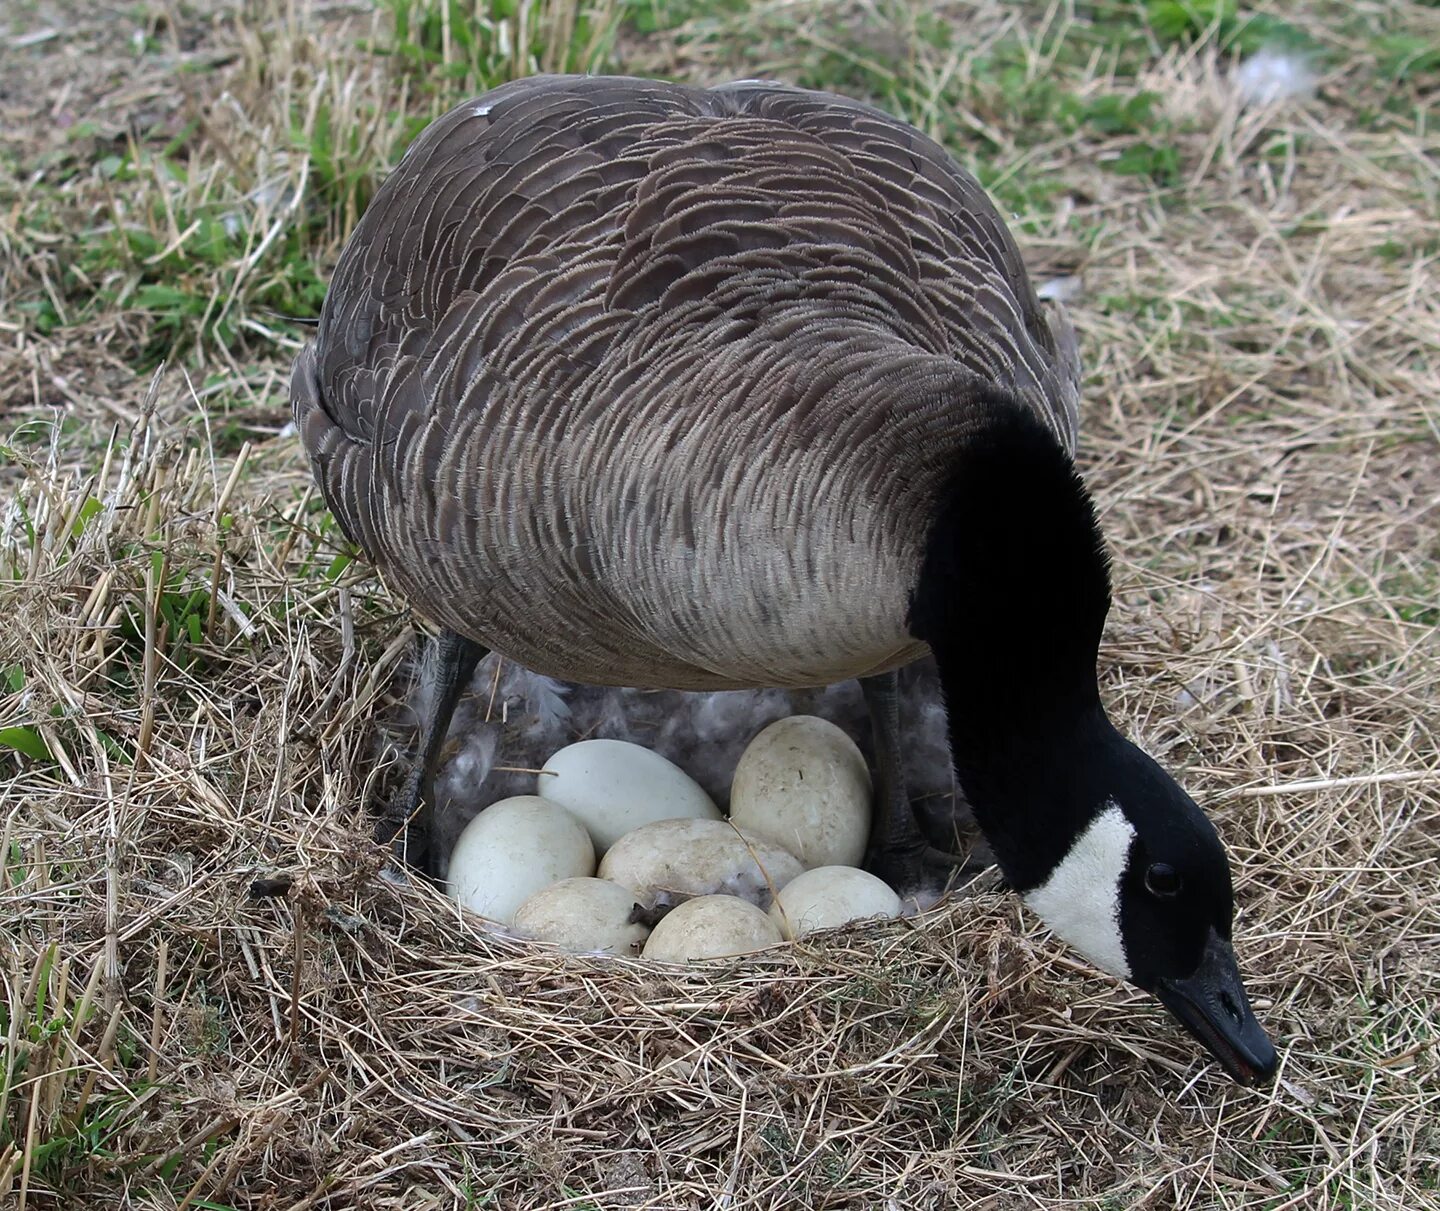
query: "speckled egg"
803, 782
676, 859
583, 915
829, 896
709, 927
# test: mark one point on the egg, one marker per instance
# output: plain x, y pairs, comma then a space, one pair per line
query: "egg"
613, 787
829, 896
583, 915
708, 927
514, 848
677, 859
803, 782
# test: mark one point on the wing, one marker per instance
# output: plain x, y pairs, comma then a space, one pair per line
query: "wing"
539, 163
550, 161
972, 268
586, 320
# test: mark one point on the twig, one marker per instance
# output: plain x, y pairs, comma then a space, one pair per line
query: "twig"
1330, 784
157, 1013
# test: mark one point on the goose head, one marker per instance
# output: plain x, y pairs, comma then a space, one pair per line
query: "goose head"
1139, 883
1100, 842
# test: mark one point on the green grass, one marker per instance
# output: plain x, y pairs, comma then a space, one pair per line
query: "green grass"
192, 258
39, 1029
1235, 29
1407, 57
216, 258
456, 49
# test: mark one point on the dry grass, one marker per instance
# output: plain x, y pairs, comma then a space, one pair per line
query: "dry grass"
207, 678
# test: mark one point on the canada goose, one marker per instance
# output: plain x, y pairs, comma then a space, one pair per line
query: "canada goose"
644, 384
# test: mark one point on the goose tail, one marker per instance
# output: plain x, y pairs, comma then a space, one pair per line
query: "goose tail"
336, 458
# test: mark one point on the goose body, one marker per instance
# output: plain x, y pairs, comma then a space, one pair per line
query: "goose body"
645, 385
651, 385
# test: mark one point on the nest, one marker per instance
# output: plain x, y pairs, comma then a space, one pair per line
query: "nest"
213, 982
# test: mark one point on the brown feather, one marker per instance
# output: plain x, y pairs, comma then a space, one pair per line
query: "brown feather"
642, 384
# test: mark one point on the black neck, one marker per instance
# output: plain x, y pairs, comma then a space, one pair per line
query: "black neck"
1012, 599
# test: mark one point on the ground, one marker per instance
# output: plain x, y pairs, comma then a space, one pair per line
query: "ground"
199, 678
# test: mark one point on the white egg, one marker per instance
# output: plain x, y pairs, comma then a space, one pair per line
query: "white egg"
612, 787
583, 915
829, 896
803, 782
677, 859
708, 927
513, 849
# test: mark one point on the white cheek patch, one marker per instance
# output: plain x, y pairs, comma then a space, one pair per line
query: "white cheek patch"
1080, 900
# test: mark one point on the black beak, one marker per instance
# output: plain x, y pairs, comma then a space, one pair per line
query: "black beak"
1211, 1004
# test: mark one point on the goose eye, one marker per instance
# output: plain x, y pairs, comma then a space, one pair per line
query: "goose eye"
1163, 880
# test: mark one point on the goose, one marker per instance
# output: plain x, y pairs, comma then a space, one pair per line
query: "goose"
643, 384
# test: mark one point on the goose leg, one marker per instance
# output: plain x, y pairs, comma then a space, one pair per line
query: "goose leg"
898, 851
406, 825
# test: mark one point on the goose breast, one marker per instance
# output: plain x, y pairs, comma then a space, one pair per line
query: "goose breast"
642, 384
